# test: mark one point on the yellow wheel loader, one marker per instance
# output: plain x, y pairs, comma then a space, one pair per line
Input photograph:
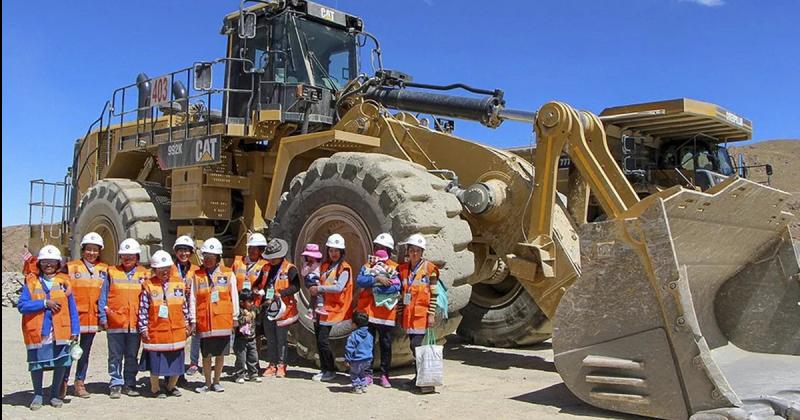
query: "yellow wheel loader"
678, 304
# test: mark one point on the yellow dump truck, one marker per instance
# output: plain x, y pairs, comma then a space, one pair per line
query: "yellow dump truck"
653, 311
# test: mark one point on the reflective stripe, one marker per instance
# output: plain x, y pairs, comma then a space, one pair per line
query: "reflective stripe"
415, 331
287, 321
120, 330
165, 347
214, 333
382, 321
89, 329
34, 346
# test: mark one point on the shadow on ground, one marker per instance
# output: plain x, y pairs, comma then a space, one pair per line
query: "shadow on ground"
559, 396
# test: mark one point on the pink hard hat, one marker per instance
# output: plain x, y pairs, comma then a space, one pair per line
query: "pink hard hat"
382, 254
312, 250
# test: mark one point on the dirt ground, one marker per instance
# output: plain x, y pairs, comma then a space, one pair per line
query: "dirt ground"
479, 383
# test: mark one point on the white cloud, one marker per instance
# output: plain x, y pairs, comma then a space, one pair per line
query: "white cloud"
709, 3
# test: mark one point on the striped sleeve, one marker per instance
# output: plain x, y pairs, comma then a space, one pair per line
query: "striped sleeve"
434, 285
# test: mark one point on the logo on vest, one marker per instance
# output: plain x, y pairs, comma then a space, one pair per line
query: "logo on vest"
78, 275
222, 281
178, 292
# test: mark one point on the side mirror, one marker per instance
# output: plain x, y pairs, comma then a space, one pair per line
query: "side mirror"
247, 25
628, 144
202, 76
742, 171
768, 168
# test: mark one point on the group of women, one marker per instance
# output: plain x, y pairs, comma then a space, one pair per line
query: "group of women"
161, 307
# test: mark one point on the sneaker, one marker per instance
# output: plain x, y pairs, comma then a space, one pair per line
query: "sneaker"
240, 380
174, 392
115, 392
358, 390
271, 371
368, 380
202, 390
364, 389
36, 403
317, 377
55, 402
217, 388
161, 395
193, 369
427, 390
385, 381
328, 376
281, 371
254, 378
130, 391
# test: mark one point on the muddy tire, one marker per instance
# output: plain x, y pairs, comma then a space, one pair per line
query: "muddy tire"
359, 195
516, 322
120, 208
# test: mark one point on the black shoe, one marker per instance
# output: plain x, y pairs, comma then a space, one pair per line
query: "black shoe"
115, 392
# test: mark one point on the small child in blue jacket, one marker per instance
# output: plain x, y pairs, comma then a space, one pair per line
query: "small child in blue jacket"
358, 352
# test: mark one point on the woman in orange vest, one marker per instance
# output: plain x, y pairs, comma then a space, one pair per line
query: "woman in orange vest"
163, 325
420, 281
86, 276
49, 324
214, 303
248, 268
119, 303
381, 317
183, 268
281, 283
336, 281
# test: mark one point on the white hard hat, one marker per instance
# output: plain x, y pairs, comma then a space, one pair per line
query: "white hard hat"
256, 239
92, 238
276, 310
49, 252
416, 240
160, 259
385, 239
184, 240
211, 246
335, 241
129, 246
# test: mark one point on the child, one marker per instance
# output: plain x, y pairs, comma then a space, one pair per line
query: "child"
312, 258
386, 296
244, 343
358, 352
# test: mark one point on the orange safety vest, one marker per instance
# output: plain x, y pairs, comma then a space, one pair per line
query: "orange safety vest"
415, 312
186, 277
87, 287
122, 308
281, 283
214, 319
32, 323
339, 306
377, 314
166, 333
246, 277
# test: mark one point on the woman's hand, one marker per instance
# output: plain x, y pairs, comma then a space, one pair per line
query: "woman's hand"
431, 320
74, 337
383, 280
52, 305
145, 336
313, 290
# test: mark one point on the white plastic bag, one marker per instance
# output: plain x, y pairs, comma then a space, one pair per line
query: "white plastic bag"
430, 363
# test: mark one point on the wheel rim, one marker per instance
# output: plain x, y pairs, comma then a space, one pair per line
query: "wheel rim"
330, 219
105, 228
493, 296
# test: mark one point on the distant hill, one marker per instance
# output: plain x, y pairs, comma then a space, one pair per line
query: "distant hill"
14, 237
784, 156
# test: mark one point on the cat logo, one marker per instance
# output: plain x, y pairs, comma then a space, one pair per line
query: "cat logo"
205, 149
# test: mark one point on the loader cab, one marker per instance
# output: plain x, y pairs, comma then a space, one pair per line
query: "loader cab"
705, 162
299, 55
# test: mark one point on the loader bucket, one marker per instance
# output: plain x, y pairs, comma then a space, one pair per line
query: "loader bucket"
687, 306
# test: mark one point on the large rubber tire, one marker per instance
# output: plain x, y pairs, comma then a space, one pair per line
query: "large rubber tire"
360, 195
118, 209
517, 322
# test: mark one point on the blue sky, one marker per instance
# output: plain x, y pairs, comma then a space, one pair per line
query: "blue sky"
62, 60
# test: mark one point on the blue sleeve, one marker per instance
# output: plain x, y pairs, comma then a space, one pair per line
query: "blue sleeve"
26, 305
350, 347
103, 302
364, 280
74, 321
